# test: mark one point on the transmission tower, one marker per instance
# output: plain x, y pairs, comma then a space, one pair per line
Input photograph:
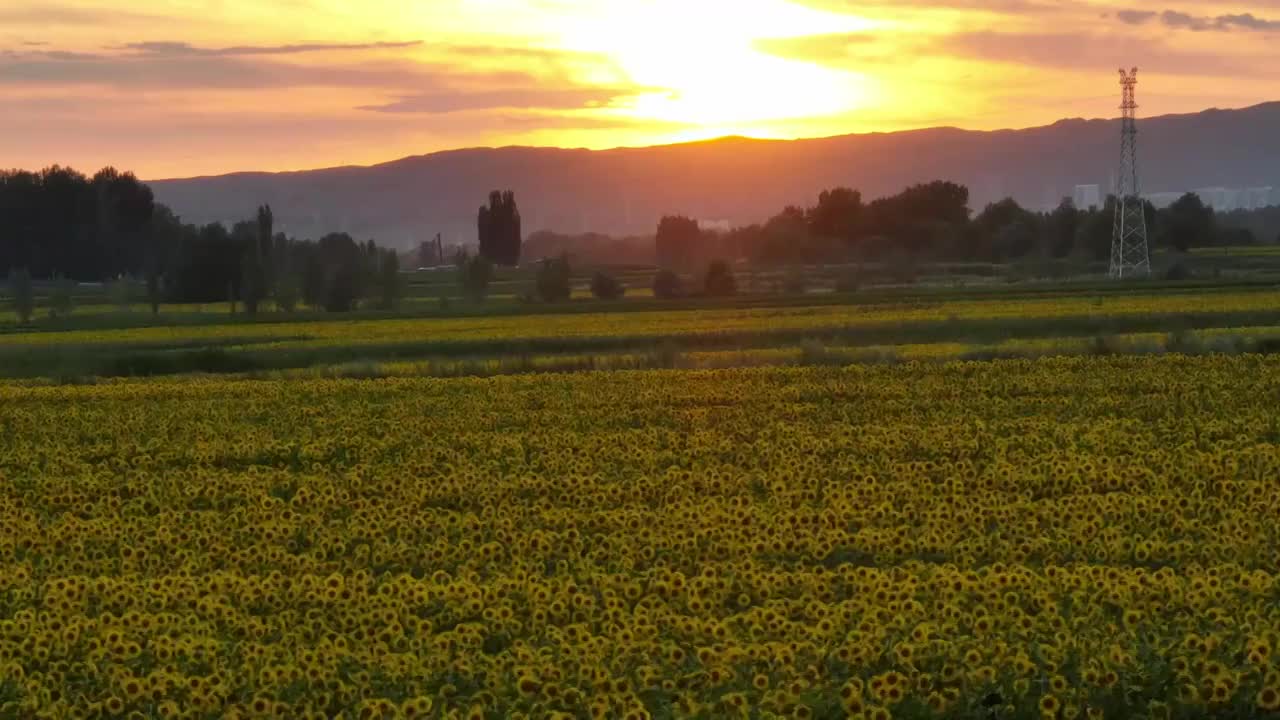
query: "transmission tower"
1130, 256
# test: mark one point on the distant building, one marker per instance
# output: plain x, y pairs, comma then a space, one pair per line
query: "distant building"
1258, 197
1087, 196
1227, 199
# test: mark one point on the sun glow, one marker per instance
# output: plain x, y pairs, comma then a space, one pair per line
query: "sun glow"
704, 69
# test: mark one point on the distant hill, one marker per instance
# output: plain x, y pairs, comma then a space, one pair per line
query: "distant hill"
740, 180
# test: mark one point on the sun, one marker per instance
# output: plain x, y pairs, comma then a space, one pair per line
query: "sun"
706, 72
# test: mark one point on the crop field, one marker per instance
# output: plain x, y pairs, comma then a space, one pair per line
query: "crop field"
1073, 537
130, 345
663, 322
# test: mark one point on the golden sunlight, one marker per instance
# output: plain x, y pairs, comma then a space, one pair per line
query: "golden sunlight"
703, 67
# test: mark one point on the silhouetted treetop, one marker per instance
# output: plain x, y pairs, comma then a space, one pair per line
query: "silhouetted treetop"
498, 224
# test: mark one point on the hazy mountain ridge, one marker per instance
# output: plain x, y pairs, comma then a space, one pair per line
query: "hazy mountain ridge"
741, 180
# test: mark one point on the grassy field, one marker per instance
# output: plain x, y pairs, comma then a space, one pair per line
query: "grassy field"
1012, 501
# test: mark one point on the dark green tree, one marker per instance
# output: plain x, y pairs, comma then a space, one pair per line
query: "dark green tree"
166, 240
1063, 225
837, 216
58, 221
207, 266
786, 238
390, 284
288, 258
343, 263
124, 208
251, 288
498, 224
920, 219
1009, 232
265, 250
1094, 239
1236, 237
677, 242
1186, 223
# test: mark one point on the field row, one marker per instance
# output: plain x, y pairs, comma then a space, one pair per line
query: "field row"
724, 320
575, 340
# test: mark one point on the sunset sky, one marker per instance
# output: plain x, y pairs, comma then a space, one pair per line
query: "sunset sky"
172, 88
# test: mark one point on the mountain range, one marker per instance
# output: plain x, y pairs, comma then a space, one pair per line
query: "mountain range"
733, 180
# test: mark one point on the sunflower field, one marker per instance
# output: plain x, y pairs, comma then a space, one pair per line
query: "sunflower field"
1088, 537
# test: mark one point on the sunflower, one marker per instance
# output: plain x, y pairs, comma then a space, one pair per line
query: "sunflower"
528, 685
1268, 699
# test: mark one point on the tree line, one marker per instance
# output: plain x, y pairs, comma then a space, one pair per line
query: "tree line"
60, 224
933, 221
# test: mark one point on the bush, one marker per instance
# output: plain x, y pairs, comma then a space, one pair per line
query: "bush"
154, 292
24, 297
1178, 271
720, 281
814, 353
62, 297
553, 280
122, 293
288, 290
795, 283
213, 361
606, 287
475, 274
1184, 342
253, 281
849, 281
665, 356
902, 269
667, 285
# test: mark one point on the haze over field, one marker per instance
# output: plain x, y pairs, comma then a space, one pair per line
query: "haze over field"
171, 89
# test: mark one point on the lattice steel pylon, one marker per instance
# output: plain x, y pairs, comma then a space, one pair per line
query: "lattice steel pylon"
1130, 255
